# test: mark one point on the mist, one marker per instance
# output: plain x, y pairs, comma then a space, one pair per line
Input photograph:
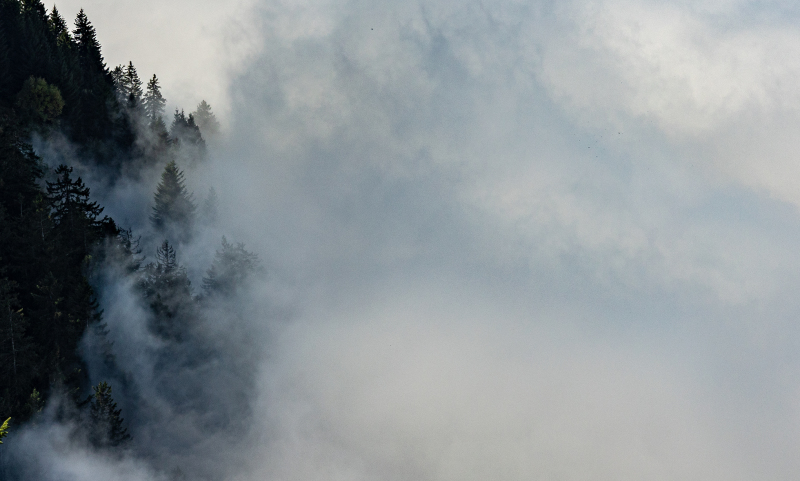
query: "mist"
515, 240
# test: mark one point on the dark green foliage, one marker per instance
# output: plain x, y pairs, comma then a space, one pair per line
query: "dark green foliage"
129, 93
35, 44
75, 218
39, 103
17, 361
46, 242
87, 45
173, 209
53, 237
59, 29
105, 422
231, 267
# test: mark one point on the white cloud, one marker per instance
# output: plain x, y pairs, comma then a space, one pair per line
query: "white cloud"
521, 239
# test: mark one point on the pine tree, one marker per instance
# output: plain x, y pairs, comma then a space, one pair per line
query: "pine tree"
75, 218
87, 44
58, 27
106, 429
187, 142
168, 291
173, 209
117, 75
206, 120
231, 267
154, 102
132, 87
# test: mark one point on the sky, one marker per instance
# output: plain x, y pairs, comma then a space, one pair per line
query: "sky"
507, 239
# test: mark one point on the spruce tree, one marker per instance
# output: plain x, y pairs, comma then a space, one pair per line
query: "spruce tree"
154, 102
186, 135
117, 76
59, 29
87, 44
206, 120
132, 87
75, 218
168, 291
105, 427
174, 208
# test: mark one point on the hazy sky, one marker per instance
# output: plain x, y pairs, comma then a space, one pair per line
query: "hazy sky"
522, 240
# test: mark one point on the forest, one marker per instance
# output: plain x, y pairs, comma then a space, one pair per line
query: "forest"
57, 246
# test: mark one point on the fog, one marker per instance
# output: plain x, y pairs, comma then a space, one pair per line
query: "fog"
508, 240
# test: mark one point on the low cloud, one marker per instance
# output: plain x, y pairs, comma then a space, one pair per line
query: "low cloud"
509, 241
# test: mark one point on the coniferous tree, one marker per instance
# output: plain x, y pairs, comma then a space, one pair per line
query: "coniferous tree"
231, 267
132, 86
206, 120
59, 29
186, 137
86, 42
168, 291
106, 424
173, 209
75, 218
50, 234
154, 102
117, 74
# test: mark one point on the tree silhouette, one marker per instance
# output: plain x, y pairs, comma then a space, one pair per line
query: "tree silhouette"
168, 291
173, 209
105, 421
206, 120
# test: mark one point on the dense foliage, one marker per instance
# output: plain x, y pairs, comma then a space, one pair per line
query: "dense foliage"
53, 237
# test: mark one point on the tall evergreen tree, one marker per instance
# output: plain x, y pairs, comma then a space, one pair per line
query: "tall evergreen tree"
59, 29
106, 424
87, 44
206, 120
132, 86
173, 209
168, 291
76, 219
186, 136
154, 102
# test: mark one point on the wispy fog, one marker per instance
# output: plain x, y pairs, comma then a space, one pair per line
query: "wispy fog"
506, 240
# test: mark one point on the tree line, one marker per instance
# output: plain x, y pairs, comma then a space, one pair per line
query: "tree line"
54, 238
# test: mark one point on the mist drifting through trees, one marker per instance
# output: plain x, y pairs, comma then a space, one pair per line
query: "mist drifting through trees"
433, 240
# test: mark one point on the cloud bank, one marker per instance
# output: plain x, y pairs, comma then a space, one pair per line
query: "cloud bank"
517, 240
